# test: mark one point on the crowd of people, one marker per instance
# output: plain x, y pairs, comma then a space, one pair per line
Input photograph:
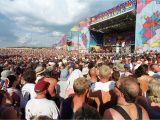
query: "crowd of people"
55, 84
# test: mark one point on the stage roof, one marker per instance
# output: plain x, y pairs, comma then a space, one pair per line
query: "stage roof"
120, 23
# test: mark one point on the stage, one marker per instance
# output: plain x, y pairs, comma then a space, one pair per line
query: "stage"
124, 29
116, 35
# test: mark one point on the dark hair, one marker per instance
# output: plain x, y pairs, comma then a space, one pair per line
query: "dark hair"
1, 96
90, 65
63, 65
99, 65
145, 67
29, 76
43, 65
116, 75
86, 112
11, 78
51, 73
41, 117
110, 64
19, 70
8, 113
141, 70
1, 69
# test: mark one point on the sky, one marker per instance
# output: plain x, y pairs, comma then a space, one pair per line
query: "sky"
44, 22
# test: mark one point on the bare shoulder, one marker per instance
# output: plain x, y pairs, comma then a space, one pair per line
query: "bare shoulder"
112, 115
144, 114
51, 80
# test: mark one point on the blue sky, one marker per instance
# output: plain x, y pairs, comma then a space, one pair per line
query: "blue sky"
44, 22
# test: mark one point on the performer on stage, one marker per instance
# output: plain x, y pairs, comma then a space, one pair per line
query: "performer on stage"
123, 46
117, 47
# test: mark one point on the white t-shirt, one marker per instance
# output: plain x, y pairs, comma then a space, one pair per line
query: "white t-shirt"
61, 88
123, 44
110, 85
151, 73
29, 87
38, 107
136, 67
74, 75
27, 93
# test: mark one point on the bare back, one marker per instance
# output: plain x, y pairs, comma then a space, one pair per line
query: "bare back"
131, 110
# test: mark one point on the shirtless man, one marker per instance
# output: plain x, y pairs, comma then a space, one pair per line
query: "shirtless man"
126, 108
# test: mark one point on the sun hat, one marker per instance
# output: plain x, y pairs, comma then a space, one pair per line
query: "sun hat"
5, 74
39, 70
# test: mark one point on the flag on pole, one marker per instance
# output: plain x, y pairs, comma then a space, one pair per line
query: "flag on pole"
63, 40
76, 29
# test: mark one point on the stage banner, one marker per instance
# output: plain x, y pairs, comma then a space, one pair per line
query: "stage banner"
80, 38
85, 38
113, 12
147, 25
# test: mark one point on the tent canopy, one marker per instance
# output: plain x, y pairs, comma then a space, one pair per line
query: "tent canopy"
120, 23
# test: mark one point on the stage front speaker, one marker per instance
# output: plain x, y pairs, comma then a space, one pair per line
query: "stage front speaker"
132, 48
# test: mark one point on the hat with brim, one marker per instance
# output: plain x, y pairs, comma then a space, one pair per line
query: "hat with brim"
5, 74
39, 70
120, 67
51, 63
50, 68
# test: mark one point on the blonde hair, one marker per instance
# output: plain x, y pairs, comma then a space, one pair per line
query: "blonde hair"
105, 72
144, 82
80, 85
154, 88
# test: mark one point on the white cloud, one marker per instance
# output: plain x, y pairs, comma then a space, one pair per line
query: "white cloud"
56, 33
42, 21
53, 11
22, 37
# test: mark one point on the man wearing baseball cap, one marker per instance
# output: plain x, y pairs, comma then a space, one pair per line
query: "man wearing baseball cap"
40, 105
